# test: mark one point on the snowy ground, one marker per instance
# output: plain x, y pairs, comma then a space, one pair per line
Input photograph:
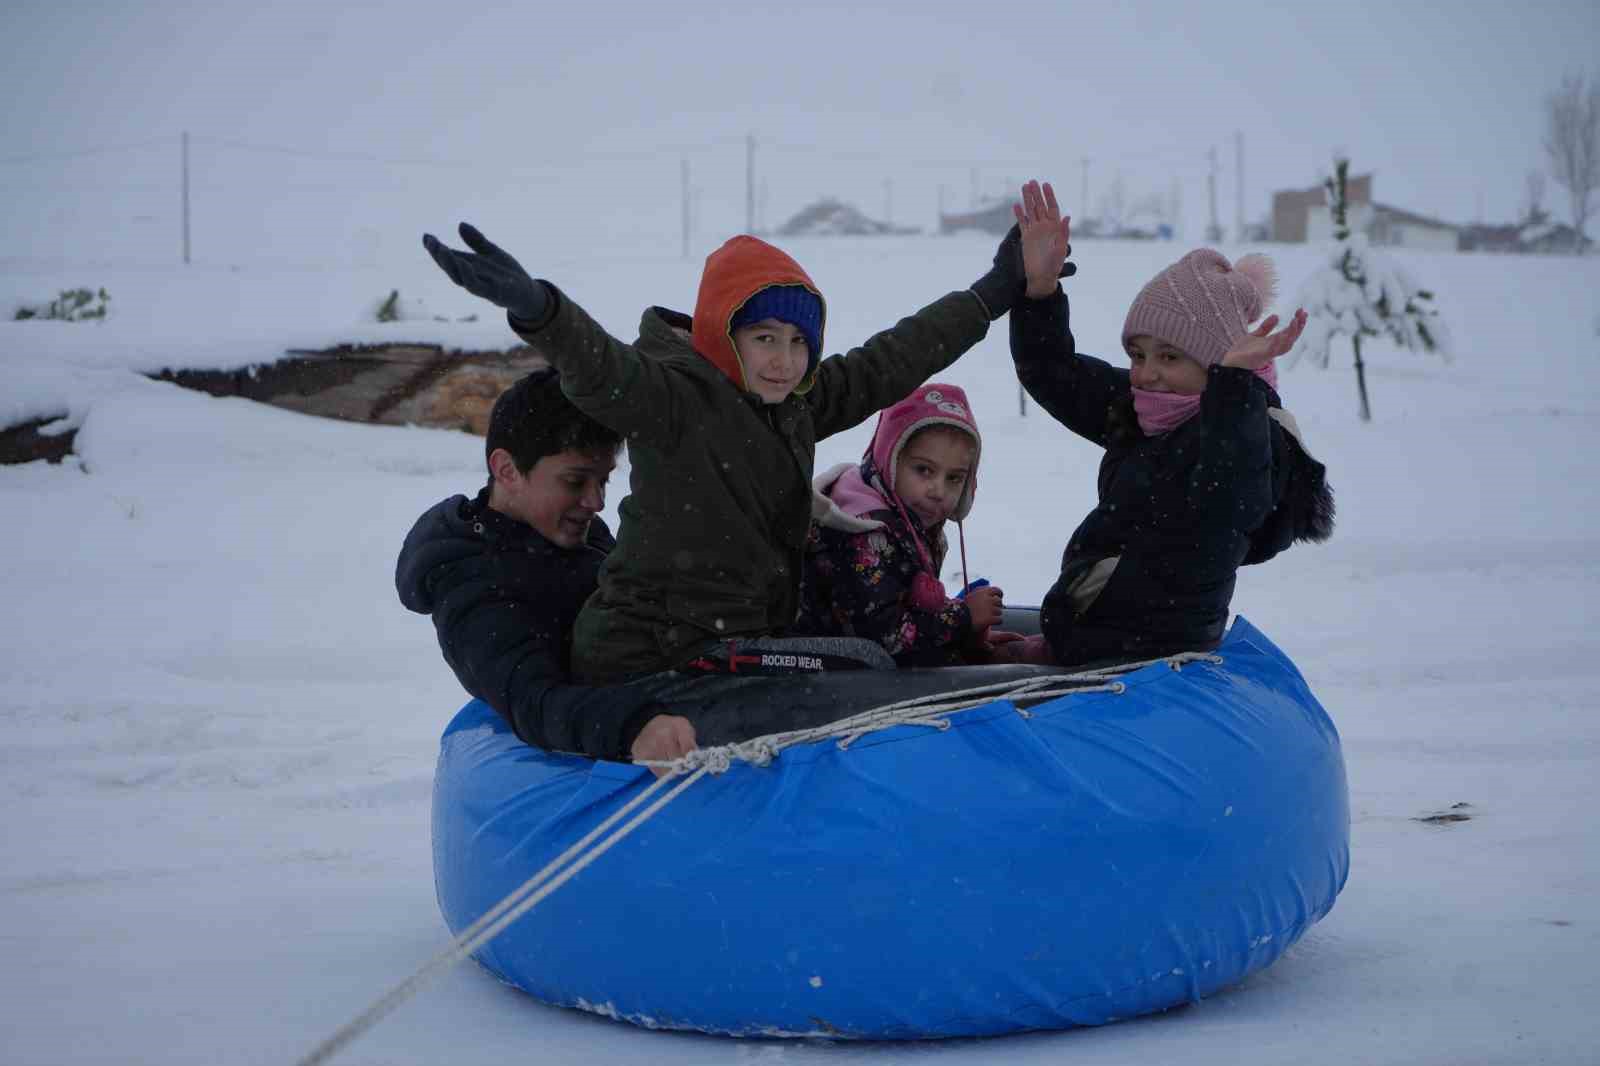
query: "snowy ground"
220, 725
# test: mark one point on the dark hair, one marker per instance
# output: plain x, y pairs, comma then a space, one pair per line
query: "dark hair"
533, 419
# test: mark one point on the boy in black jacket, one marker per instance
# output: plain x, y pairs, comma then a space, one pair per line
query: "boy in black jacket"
503, 576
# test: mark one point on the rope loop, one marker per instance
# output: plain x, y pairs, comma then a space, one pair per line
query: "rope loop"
757, 752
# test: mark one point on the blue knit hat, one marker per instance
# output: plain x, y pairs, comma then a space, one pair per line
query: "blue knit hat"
794, 304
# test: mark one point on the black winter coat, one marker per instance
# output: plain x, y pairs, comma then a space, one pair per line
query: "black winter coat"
1177, 513
503, 600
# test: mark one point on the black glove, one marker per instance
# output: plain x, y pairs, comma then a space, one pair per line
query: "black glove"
1005, 282
493, 275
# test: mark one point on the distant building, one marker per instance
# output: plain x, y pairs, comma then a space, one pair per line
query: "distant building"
995, 218
1492, 238
831, 218
1556, 237
1292, 208
1302, 215
1535, 235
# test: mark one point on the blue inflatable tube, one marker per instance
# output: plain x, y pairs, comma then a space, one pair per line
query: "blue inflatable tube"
1106, 855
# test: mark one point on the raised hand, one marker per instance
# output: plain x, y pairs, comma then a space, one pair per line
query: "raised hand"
1008, 277
1045, 238
489, 272
1261, 346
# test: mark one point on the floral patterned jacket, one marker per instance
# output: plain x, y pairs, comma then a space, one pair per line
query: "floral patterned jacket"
862, 582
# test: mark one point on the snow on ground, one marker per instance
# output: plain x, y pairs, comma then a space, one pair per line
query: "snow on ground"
221, 726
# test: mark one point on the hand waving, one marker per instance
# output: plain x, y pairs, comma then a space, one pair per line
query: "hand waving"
489, 272
1013, 271
1261, 346
1045, 236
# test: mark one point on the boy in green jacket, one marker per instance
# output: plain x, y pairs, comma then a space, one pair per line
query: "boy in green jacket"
721, 413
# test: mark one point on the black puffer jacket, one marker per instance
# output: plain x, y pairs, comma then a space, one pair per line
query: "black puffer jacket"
503, 600
1177, 513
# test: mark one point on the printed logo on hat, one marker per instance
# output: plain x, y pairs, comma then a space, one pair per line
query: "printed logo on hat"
949, 407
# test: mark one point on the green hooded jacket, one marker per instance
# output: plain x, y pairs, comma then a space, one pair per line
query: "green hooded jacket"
714, 526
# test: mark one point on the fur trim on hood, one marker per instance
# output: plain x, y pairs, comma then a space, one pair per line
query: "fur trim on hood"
839, 501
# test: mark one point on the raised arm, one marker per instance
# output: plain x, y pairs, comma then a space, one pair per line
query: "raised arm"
609, 381
852, 387
1075, 390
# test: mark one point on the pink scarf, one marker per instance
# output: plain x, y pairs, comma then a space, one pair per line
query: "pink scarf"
1163, 412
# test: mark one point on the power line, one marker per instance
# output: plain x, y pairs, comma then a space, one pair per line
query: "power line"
352, 157
82, 153
577, 158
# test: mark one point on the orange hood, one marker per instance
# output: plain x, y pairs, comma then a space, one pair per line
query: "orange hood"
738, 270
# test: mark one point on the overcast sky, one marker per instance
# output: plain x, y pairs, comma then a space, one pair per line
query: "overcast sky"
576, 118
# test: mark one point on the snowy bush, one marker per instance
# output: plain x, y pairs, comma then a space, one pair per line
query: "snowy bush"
1360, 292
389, 309
392, 309
71, 305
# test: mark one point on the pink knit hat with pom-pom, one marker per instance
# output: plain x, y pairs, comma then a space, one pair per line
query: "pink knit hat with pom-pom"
1201, 305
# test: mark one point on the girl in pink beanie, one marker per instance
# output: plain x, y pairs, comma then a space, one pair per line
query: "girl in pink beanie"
1204, 470
878, 544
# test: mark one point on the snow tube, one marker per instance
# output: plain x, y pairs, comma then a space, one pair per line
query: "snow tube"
1106, 855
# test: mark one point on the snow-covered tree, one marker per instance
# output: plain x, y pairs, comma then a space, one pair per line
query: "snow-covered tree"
1359, 292
1572, 141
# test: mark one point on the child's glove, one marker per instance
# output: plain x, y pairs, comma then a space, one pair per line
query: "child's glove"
990, 649
492, 275
1005, 282
1034, 650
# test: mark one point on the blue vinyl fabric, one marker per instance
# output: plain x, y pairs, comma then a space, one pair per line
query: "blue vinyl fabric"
1111, 855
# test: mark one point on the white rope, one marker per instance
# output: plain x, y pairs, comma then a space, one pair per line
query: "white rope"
922, 711
521, 900
759, 751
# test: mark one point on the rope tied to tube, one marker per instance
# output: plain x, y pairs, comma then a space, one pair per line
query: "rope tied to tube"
757, 751
919, 711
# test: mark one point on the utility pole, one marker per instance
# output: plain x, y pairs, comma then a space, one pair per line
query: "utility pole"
1213, 231
186, 197
683, 170
1238, 151
750, 183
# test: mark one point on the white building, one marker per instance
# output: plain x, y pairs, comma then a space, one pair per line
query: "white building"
1386, 225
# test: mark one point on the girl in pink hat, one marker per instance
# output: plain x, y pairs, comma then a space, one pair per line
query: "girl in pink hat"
1204, 470
876, 550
